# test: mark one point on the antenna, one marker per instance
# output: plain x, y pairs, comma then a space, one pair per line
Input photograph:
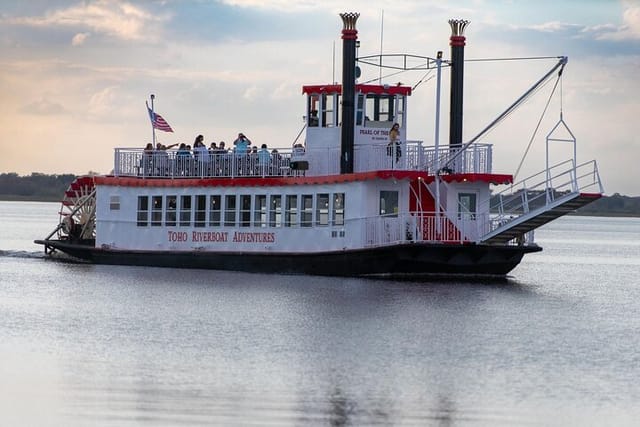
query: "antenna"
333, 65
381, 38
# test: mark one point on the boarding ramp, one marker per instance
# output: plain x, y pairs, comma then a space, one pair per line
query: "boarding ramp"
541, 198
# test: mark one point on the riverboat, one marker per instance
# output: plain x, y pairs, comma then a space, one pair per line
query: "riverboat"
344, 201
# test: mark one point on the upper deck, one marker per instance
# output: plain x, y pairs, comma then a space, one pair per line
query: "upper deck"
297, 161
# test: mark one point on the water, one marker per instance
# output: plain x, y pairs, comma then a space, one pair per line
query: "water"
556, 344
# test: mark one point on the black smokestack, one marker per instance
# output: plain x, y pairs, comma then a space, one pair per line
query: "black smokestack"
349, 37
457, 42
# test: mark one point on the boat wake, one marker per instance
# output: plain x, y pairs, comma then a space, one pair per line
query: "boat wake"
21, 254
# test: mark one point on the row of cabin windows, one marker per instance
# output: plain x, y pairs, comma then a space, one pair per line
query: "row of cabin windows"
324, 109
260, 210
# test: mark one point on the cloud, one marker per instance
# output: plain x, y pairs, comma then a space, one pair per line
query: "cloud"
554, 27
117, 19
79, 39
102, 102
629, 30
43, 107
251, 93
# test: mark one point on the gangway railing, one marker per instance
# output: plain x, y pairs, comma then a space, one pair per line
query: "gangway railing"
541, 192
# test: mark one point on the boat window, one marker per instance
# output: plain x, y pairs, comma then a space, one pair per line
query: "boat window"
143, 211
114, 203
185, 211
230, 210
260, 211
322, 209
328, 110
245, 211
337, 214
275, 211
214, 210
170, 218
389, 203
306, 219
379, 110
201, 211
156, 211
312, 110
360, 109
400, 103
291, 211
467, 206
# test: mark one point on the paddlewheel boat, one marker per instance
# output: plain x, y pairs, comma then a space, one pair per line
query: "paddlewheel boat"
345, 202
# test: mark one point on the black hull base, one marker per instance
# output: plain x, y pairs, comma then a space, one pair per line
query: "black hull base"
402, 260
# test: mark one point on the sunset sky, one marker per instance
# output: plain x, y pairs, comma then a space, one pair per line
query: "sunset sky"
74, 75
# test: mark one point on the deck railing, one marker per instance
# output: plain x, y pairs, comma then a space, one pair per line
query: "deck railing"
411, 155
447, 227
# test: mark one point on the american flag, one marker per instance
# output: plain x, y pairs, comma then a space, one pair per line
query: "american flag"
158, 122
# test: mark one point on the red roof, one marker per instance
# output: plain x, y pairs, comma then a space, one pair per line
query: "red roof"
297, 180
377, 89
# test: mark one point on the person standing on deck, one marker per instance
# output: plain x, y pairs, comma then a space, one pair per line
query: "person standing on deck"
393, 147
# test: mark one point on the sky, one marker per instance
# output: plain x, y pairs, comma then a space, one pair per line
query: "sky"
74, 75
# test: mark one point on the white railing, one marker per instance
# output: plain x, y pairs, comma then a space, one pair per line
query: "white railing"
411, 155
421, 227
173, 164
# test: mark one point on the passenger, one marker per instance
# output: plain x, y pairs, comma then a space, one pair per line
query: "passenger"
201, 155
393, 147
313, 118
147, 159
264, 160
276, 162
223, 159
196, 144
241, 144
241, 148
163, 161
183, 160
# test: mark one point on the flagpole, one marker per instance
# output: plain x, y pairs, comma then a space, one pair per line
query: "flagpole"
153, 129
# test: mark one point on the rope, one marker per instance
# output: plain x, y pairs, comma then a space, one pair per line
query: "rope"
529, 58
524, 156
423, 79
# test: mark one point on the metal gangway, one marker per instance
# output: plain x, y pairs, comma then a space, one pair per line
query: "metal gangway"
541, 198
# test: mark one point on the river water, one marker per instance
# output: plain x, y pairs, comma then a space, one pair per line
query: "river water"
555, 344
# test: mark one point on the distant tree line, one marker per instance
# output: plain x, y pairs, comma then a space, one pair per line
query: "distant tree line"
34, 187
616, 205
51, 188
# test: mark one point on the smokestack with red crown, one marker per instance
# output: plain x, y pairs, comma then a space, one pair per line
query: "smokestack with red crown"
457, 42
349, 38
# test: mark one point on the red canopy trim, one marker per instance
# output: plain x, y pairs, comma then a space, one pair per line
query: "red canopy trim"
297, 180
